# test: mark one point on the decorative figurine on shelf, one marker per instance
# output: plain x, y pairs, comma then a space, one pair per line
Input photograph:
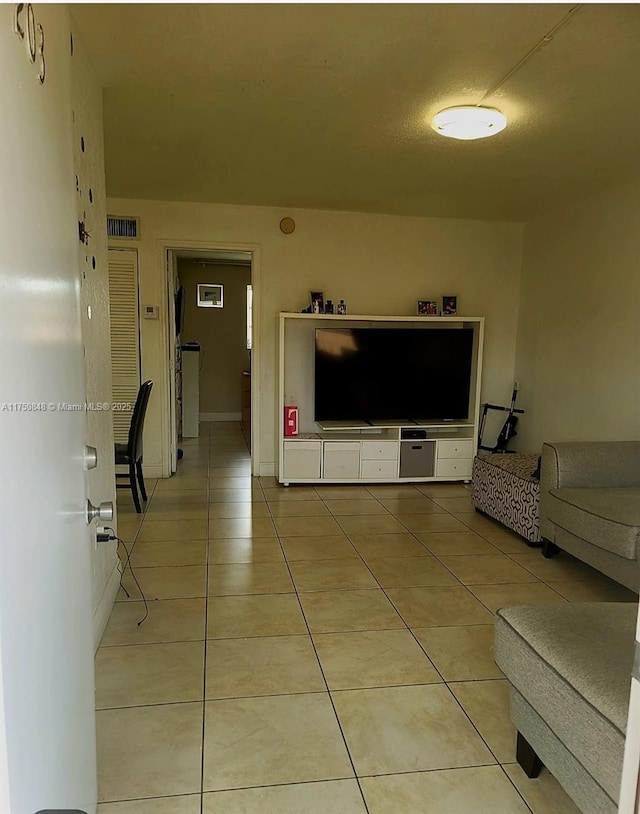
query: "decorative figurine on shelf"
328, 307
317, 302
342, 308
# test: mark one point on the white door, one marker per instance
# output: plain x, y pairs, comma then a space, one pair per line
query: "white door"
47, 723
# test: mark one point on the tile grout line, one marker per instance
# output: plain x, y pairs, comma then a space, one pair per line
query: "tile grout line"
206, 621
446, 684
319, 663
310, 635
206, 613
388, 598
517, 790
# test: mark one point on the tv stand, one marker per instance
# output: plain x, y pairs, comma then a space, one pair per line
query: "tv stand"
403, 451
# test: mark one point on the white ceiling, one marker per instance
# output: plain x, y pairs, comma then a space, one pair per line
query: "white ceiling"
327, 106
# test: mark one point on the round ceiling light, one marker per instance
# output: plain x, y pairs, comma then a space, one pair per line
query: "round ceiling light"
469, 122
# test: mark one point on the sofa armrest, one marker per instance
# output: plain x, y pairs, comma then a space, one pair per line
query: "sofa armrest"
595, 464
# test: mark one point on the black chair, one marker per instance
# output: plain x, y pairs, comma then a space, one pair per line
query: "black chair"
130, 454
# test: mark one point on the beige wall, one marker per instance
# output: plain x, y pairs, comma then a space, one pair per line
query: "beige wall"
89, 167
379, 264
221, 332
578, 356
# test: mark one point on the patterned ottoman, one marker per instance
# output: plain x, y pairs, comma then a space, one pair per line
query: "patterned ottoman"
503, 486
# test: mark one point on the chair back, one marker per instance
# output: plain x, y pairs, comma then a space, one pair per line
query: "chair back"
134, 446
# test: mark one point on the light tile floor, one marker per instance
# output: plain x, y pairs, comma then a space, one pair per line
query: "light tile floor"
315, 650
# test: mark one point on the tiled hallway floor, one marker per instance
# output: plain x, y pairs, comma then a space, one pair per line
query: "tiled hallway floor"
317, 650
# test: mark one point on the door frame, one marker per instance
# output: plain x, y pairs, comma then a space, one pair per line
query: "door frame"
175, 246
171, 265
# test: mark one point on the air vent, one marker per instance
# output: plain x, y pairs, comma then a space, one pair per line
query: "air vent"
123, 227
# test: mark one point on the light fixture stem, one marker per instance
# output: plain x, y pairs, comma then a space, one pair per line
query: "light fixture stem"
544, 40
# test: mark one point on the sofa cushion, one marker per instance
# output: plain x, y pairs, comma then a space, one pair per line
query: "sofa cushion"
608, 518
573, 665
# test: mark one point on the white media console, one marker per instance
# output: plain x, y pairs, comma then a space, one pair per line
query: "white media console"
359, 452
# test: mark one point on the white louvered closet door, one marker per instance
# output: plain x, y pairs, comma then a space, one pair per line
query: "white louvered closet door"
125, 336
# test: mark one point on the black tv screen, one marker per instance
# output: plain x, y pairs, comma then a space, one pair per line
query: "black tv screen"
393, 374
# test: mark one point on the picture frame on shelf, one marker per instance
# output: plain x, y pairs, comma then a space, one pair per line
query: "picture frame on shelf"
449, 306
317, 302
428, 308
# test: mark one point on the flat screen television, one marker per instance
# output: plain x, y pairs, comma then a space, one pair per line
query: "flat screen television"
393, 374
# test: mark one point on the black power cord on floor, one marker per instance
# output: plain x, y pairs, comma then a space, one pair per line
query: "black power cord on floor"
109, 534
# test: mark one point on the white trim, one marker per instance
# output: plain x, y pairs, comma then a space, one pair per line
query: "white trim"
256, 354
105, 605
220, 416
153, 471
165, 244
380, 318
170, 266
267, 470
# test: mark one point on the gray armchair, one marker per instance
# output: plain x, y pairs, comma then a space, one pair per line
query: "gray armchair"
590, 505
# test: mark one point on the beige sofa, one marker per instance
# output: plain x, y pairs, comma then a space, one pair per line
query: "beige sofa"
590, 505
569, 666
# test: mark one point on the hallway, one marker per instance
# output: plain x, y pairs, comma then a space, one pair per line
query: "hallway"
315, 650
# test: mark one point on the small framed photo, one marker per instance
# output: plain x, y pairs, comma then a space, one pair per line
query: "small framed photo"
428, 308
449, 306
210, 296
317, 302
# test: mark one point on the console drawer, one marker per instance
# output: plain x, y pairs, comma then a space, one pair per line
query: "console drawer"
380, 450
301, 460
453, 468
379, 469
341, 460
455, 449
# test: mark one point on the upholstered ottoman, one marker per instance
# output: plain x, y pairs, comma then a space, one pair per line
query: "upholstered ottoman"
569, 667
505, 488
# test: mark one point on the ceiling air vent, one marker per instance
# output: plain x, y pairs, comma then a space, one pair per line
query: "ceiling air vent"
123, 227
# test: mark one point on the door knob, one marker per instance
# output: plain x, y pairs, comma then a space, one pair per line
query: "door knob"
103, 512
90, 457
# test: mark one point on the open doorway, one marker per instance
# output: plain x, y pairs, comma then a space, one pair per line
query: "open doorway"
211, 340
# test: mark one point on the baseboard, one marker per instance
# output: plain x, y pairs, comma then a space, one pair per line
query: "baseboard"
154, 471
267, 470
220, 416
105, 605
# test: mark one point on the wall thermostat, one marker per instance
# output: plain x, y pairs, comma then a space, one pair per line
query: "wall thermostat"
150, 311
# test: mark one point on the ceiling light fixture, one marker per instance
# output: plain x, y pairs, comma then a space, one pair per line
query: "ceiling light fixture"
469, 122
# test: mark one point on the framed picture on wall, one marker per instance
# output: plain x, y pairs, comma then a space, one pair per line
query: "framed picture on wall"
449, 306
428, 308
210, 295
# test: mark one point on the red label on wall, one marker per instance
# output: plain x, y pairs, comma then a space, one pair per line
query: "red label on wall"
290, 420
